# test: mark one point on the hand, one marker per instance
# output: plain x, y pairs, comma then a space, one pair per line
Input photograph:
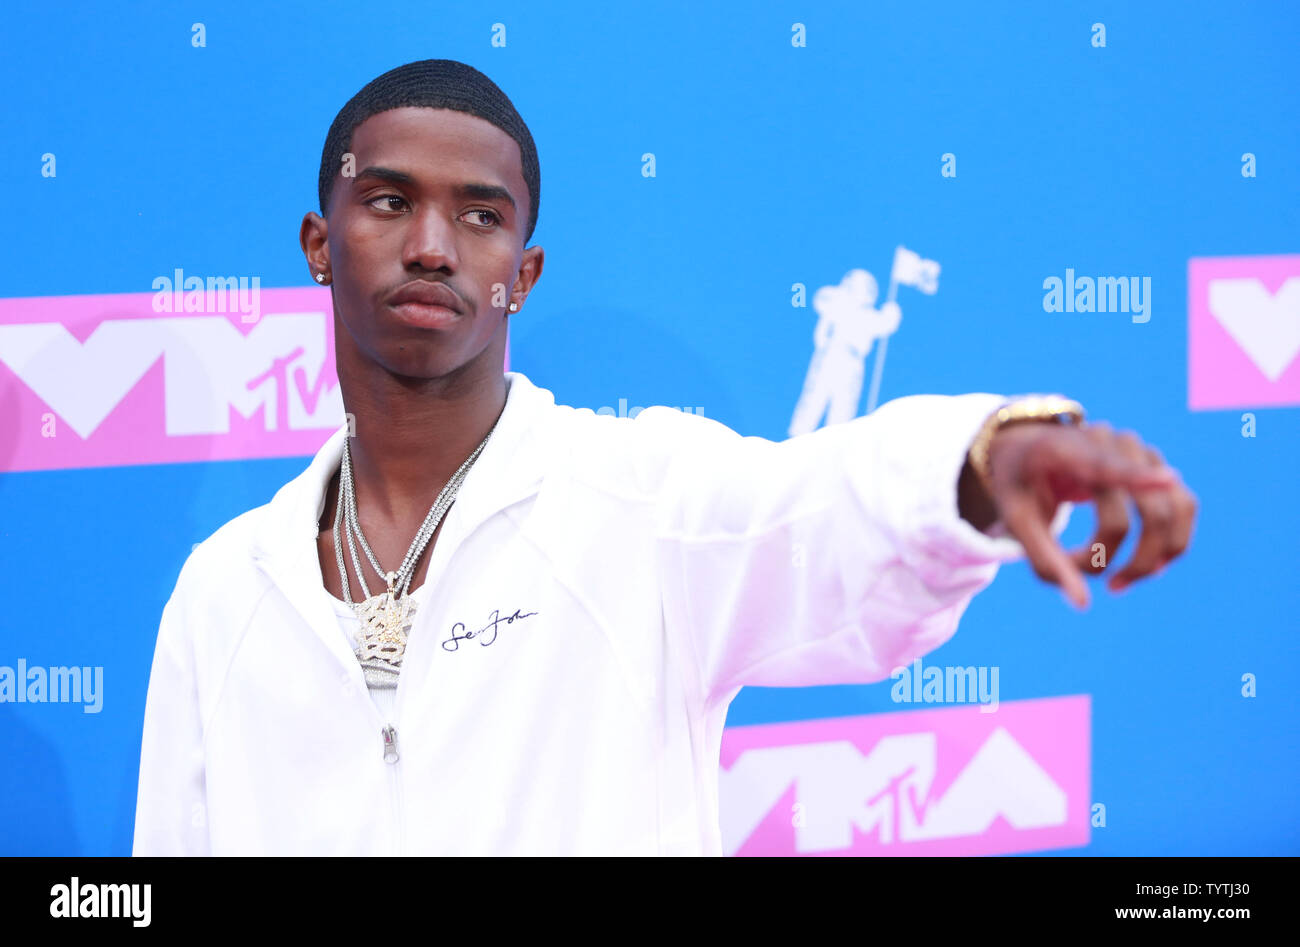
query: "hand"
1037, 465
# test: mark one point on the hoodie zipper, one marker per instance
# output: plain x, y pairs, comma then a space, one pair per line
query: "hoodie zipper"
391, 753
391, 757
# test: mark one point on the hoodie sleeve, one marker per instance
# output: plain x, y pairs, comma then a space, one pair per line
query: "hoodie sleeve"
829, 558
171, 804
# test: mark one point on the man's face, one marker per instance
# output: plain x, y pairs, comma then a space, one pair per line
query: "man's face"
438, 196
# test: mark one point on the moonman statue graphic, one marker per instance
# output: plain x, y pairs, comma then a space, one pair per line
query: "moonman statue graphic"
847, 323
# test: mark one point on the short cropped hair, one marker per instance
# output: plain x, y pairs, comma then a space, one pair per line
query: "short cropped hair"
437, 84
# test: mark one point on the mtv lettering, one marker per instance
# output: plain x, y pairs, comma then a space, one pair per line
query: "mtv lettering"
918, 790
209, 368
102, 380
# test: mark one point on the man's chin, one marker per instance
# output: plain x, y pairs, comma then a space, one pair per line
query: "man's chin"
426, 362
418, 369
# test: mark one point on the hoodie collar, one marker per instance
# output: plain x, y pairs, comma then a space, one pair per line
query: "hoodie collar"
509, 469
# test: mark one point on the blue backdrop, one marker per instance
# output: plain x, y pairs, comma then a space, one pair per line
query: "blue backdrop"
775, 165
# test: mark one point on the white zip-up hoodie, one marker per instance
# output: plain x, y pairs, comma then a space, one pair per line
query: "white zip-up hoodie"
600, 591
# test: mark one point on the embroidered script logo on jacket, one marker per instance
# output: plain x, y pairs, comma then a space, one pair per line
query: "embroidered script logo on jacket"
485, 635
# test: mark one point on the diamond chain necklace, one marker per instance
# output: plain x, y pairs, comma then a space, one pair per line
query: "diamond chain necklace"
385, 616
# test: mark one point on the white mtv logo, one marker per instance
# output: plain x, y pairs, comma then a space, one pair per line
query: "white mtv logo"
1267, 327
208, 368
886, 791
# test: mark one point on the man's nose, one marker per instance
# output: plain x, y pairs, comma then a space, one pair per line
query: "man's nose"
431, 242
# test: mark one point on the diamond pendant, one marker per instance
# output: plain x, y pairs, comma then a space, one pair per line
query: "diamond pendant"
384, 622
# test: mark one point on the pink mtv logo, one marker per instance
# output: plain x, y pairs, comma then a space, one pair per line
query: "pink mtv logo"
952, 781
1243, 331
101, 381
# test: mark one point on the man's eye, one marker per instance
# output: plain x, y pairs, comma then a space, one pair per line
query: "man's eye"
386, 197
491, 214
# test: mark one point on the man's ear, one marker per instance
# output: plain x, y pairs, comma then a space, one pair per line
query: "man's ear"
530, 271
313, 237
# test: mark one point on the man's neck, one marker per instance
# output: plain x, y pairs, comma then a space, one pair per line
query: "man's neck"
411, 438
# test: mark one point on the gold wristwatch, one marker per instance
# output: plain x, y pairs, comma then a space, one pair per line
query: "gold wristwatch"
1026, 408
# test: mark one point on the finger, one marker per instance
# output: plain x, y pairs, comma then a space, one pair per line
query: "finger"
1184, 514
1112, 528
1112, 512
1100, 464
1156, 508
1024, 519
1185, 507
1079, 462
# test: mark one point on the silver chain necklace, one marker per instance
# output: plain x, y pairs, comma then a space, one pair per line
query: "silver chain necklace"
386, 616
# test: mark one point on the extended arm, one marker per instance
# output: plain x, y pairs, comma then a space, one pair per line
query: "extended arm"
832, 557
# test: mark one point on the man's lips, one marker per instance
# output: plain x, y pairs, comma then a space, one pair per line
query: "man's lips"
427, 293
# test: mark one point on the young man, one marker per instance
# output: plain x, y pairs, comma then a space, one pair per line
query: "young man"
543, 666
